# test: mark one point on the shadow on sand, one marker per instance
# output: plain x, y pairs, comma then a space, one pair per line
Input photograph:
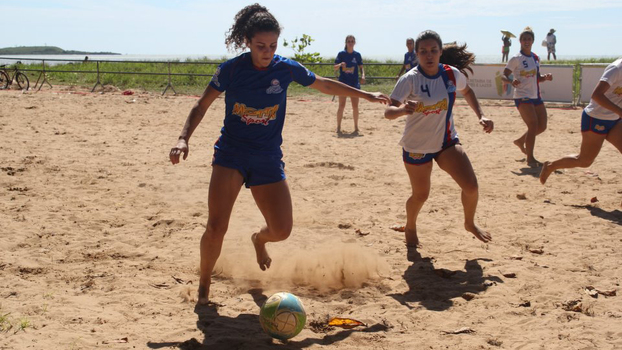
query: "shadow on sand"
244, 331
434, 288
614, 216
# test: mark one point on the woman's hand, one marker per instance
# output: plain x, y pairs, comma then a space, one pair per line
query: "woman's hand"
410, 106
487, 124
548, 77
378, 97
181, 147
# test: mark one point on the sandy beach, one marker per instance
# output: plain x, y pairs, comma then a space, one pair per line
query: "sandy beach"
99, 233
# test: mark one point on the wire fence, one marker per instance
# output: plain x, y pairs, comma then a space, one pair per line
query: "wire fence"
194, 75
44, 68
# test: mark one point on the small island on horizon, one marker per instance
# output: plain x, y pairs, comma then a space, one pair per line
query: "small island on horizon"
47, 50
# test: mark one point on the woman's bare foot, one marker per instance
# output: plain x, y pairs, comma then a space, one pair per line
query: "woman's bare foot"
263, 259
520, 145
478, 233
411, 238
544, 174
203, 294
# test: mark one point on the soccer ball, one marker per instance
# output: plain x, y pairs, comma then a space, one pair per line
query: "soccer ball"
282, 316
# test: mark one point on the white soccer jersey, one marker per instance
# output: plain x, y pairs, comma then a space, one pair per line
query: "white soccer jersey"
432, 123
527, 70
613, 76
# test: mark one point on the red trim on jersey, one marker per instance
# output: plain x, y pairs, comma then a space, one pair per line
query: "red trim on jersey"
452, 77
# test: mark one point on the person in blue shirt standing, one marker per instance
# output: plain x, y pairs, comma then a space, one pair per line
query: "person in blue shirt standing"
410, 57
349, 62
248, 151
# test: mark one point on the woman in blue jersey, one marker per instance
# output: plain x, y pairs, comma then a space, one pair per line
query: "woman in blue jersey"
349, 62
410, 57
248, 152
426, 96
525, 68
600, 122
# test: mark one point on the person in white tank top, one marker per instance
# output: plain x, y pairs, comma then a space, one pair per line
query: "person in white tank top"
426, 95
600, 121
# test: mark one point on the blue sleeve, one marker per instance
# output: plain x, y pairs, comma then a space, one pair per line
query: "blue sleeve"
359, 59
406, 58
301, 74
338, 59
222, 77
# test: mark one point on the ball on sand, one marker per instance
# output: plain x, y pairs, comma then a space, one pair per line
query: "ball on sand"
282, 316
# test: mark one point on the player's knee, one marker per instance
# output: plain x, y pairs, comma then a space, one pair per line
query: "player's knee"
281, 231
584, 162
215, 229
419, 196
471, 187
532, 125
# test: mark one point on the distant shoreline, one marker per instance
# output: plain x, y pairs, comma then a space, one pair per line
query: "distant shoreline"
47, 50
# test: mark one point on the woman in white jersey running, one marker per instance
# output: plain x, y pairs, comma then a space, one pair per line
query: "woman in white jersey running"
600, 121
525, 68
426, 95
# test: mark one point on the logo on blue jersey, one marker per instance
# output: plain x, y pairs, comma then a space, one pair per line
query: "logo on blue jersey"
275, 87
250, 115
354, 60
215, 77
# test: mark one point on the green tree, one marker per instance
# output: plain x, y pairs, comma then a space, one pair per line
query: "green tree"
299, 45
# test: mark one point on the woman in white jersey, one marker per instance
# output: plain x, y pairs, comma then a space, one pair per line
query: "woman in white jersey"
426, 95
600, 121
525, 68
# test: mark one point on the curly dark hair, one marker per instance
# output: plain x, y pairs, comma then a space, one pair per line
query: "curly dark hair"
249, 21
453, 54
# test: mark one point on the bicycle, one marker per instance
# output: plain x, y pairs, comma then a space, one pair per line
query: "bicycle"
6, 79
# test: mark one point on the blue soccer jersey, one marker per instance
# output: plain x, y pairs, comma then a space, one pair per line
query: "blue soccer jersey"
410, 60
350, 74
255, 102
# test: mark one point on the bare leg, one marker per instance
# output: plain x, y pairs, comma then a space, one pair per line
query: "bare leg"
224, 188
591, 143
615, 136
419, 176
535, 118
355, 112
456, 163
342, 106
275, 203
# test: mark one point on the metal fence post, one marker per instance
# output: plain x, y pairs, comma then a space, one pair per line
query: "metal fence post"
169, 85
45, 77
98, 82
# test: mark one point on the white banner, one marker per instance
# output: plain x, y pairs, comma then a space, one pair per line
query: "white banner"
486, 82
590, 76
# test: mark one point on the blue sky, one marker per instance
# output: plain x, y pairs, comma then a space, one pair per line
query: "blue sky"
197, 27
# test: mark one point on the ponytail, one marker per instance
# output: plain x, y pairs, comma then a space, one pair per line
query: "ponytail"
457, 56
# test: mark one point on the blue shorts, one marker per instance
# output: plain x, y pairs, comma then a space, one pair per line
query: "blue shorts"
423, 158
353, 83
533, 101
596, 125
255, 169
